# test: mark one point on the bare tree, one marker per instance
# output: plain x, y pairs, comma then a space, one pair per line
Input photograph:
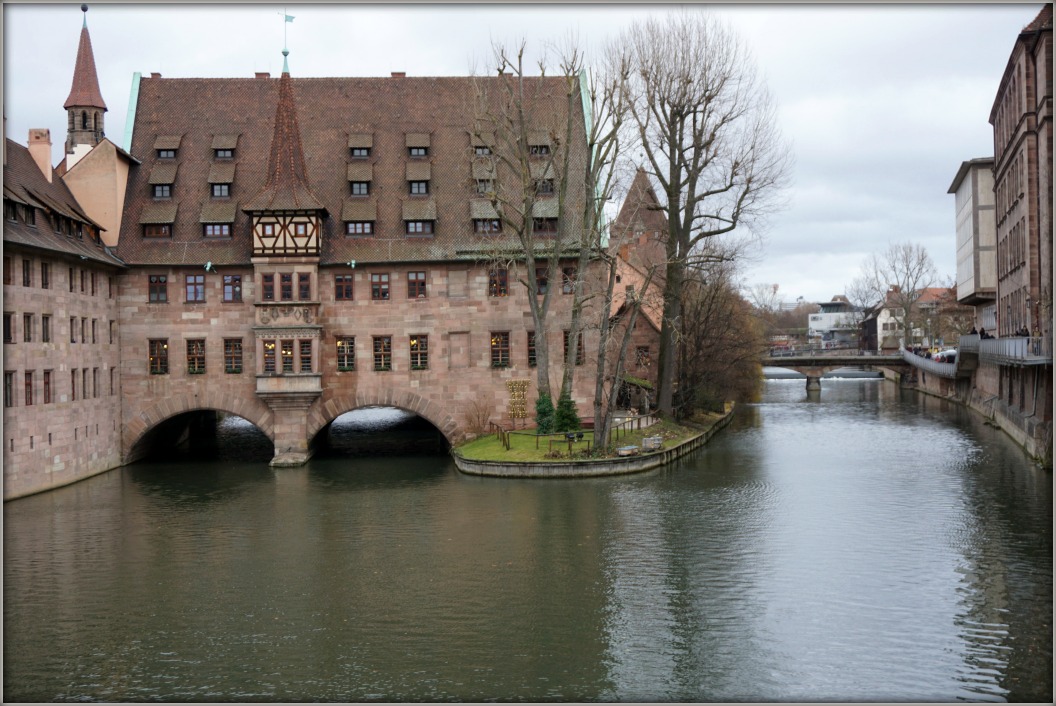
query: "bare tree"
708, 132
898, 278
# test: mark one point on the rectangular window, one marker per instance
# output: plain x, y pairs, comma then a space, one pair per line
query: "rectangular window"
27, 273
642, 359
158, 352
544, 187
232, 355
531, 349
73, 385
8, 277
72, 279
163, 191
539, 150
9, 389
360, 153
346, 353
268, 229
500, 349
195, 356
416, 285
419, 352
544, 226
304, 286
95, 382
27, 328
45, 275
286, 286
217, 230
112, 324
221, 191
157, 288
418, 151
86, 391
383, 352
300, 229
306, 355
112, 381
481, 150
542, 282
286, 352
267, 288
232, 288
9, 328
95, 330
379, 287
224, 154
568, 280
360, 188
487, 226
29, 388
497, 283
195, 288
166, 154
579, 347
47, 387
84, 279
84, 329
91, 278
157, 230
419, 188
343, 288
419, 227
45, 328
73, 329
485, 186
269, 356
359, 228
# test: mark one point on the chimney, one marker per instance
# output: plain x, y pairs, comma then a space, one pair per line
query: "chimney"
155, 74
40, 150
399, 74
262, 74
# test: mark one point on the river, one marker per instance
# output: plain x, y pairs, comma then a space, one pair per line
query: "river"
875, 544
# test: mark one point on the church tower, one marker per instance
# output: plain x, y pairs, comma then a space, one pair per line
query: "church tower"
84, 106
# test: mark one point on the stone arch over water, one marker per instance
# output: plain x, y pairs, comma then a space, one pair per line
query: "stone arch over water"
327, 410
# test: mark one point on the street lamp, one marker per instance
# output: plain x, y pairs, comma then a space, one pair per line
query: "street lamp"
929, 332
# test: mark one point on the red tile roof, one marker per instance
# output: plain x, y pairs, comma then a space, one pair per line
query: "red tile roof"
85, 89
331, 114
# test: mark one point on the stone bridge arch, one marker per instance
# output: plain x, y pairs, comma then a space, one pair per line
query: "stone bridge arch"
328, 409
249, 408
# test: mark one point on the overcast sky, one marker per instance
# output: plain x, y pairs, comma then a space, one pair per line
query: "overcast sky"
880, 103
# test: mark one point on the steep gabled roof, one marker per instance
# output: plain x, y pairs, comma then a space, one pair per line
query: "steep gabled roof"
287, 186
641, 209
25, 184
85, 89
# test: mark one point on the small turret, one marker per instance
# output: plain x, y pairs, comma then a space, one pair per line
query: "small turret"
84, 106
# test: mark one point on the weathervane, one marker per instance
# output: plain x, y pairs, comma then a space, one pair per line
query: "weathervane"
287, 19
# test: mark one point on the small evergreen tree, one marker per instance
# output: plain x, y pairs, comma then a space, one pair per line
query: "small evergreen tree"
544, 415
566, 418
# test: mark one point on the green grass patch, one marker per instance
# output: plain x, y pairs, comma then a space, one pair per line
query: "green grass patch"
526, 446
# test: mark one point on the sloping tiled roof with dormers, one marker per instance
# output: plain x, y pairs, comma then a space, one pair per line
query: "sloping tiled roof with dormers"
332, 115
26, 185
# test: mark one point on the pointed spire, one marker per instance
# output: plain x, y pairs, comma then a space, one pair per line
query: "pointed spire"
287, 185
85, 90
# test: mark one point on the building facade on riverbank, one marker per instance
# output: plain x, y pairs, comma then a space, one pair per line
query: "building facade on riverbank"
290, 249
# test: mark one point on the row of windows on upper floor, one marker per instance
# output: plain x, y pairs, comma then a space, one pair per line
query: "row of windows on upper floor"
89, 279
283, 286
545, 227
419, 152
26, 214
31, 333
360, 188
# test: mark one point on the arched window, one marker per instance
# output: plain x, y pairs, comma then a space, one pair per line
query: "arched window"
96, 122
84, 119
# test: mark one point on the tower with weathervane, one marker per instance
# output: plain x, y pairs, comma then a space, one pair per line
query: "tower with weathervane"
286, 219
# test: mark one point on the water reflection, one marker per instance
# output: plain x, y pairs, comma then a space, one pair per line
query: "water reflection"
875, 545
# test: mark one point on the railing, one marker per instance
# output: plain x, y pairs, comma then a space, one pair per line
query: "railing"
501, 434
818, 351
1018, 350
945, 370
969, 344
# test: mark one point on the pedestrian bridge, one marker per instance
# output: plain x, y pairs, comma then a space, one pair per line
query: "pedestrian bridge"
815, 363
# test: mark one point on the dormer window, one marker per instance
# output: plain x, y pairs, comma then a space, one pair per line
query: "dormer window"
487, 225
544, 187
224, 154
217, 230
482, 151
485, 186
360, 188
162, 191
221, 191
166, 154
419, 188
360, 153
419, 227
539, 150
157, 230
418, 152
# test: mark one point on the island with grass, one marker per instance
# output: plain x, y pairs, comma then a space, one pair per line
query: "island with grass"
637, 443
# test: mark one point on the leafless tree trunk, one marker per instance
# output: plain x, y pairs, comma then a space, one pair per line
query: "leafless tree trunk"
708, 133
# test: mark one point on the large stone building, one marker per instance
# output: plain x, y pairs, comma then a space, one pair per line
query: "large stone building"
285, 250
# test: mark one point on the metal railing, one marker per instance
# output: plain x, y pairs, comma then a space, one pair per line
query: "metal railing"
945, 370
1017, 350
969, 344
